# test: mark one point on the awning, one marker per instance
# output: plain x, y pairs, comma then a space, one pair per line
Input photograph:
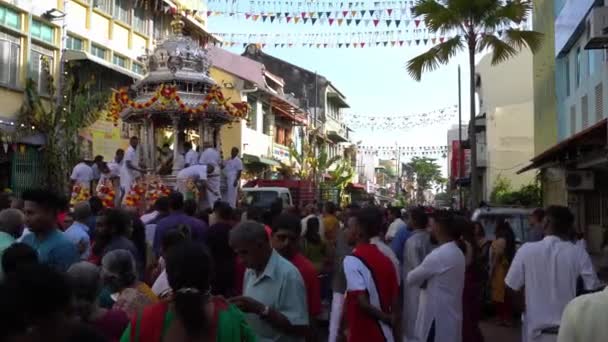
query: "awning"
77, 55
288, 110
250, 159
336, 136
592, 137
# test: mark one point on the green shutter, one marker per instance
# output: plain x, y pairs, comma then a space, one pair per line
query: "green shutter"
27, 169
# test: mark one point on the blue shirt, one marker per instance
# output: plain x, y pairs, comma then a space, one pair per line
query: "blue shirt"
55, 250
398, 242
280, 287
78, 233
198, 228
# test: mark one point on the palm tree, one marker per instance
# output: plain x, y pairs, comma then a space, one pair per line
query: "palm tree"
476, 24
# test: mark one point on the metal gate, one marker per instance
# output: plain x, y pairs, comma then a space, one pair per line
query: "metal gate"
27, 169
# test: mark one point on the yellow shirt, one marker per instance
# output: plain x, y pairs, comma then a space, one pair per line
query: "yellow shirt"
330, 226
584, 319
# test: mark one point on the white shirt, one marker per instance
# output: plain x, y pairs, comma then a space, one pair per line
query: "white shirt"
388, 252
115, 168
147, 218
128, 175
161, 285
584, 319
393, 228
548, 269
441, 301
191, 157
82, 173
211, 156
232, 167
77, 233
198, 172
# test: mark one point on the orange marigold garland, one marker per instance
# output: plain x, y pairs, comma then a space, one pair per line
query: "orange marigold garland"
106, 193
156, 190
80, 193
166, 95
135, 196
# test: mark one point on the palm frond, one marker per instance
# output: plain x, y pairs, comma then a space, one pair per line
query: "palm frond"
437, 17
522, 38
501, 50
435, 56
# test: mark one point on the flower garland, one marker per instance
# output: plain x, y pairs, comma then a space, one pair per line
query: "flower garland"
79, 194
166, 96
134, 197
156, 190
107, 194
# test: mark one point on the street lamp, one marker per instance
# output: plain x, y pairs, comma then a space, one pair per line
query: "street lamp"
54, 15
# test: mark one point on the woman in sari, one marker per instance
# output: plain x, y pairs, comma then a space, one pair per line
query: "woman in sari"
502, 252
120, 276
191, 314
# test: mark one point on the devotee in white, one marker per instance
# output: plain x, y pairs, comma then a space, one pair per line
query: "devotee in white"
191, 155
548, 271
211, 156
441, 277
130, 170
584, 319
232, 169
194, 172
82, 174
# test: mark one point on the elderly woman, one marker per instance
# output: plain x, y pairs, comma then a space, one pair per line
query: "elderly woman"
120, 276
86, 284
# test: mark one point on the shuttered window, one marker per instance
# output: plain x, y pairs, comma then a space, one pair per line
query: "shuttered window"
585, 111
572, 120
599, 102
9, 59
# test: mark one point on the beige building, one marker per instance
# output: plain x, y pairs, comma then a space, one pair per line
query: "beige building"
506, 122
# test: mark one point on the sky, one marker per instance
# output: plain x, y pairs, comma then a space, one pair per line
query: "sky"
373, 79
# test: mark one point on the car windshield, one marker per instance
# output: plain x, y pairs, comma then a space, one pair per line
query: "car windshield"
263, 199
519, 224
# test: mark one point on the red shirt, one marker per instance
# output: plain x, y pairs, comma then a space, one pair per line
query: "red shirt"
369, 271
311, 281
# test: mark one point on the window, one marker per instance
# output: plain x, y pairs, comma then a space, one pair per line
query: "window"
9, 59
585, 111
40, 58
591, 62
104, 5
158, 23
98, 51
253, 113
140, 24
120, 61
10, 18
567, 76
572, 120
137, 68
578, 67
42, 31
122, 10
599, 102
73, 43
282, 135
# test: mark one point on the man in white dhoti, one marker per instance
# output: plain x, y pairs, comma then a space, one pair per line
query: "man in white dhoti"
417, 247
195, 173
441, 277
130, 170
211, 156
82, 175
233, 168
191, 157
548, 271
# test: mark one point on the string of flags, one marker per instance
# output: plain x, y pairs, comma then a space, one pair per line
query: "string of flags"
404, 151
332, 39
401, 121
280, 5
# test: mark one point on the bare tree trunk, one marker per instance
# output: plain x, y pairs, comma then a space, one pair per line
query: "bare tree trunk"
475, 195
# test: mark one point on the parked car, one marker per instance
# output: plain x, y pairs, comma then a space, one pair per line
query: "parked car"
264, 197
517, 218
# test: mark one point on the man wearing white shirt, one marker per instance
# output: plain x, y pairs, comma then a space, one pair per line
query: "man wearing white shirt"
195, 173
191, 155
211, 157
232, 169
441, 278
394, 216
130, 170
116, 164
82, 174
548, 271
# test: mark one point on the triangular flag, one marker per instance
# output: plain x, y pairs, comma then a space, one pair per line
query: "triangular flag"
340, 21
305, 20
367, 21
363, 13
272, 18
247, 15
314, 20
339, 45
318, 45
347, 44
319, 15
303, 14
209, 13
348, 21
264, 16
282, 44
288, 19
441, 39
276, 45
244, 45
376, 21
397, 22
425, 41
393, 43
344, 13
417, 41
417, 22
409, 43
331, 21
406, 23
433, 40
296, 19
256, 17
362, 45
263, 44
388, 23
389, 11
311, 14
287, 14
353, 13
355, 44
328, 14
357, 21
325, 45
371, 12
290, 44
377, 43
385, 43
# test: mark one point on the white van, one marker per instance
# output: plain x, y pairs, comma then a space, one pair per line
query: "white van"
517, 218
263, 197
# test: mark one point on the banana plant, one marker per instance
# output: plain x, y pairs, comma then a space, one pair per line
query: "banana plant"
341, 176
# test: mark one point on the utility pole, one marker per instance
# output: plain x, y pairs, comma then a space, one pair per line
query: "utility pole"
460, 149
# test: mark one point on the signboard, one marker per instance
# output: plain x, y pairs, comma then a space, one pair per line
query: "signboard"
106, 138
460, 157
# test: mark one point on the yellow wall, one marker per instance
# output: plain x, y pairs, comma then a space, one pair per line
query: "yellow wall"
78, 15
10, 102
139, 44
100, 26
120, 34
231, 135
105, 138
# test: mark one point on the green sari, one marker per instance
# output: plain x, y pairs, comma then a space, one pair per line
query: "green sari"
154, 322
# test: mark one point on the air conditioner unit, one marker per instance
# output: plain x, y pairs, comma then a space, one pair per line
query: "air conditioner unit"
580, 180
597, 28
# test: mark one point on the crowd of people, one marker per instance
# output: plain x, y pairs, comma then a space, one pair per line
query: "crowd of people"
177, 273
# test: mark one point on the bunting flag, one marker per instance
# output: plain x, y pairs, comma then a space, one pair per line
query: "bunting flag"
402, 121
332, 39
